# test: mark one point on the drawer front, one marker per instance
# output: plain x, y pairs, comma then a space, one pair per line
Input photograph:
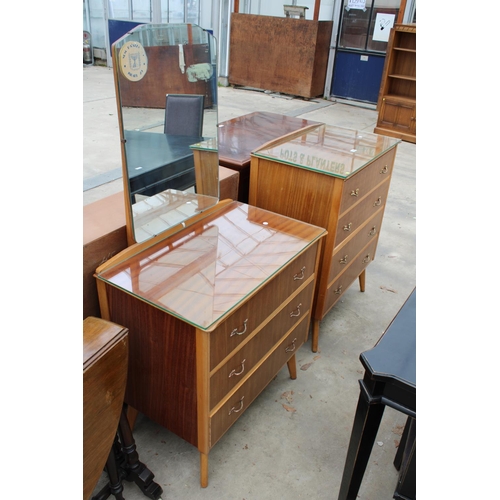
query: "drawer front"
245, 359
343, 256
344, 281
240, 325
357, 186
352, 220
241, 399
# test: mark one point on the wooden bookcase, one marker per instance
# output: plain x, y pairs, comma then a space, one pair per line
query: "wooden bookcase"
397, 102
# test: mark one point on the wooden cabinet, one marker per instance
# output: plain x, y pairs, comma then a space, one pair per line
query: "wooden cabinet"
334, 178
214, 311
397, 103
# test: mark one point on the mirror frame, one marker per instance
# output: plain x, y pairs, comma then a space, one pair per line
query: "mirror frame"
140, 43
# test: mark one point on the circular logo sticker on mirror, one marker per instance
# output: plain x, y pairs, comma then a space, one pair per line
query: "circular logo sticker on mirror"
133, 61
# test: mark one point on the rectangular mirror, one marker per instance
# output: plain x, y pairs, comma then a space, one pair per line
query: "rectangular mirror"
166, 91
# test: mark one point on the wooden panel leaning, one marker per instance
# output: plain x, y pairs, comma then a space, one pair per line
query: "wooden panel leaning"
105, 361
279, 54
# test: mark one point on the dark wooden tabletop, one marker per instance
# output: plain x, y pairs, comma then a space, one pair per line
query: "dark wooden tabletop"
240, 136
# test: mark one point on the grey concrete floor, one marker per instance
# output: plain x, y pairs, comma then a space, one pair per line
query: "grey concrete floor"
292, 441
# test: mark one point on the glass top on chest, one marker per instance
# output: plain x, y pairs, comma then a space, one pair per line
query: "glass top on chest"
330, 150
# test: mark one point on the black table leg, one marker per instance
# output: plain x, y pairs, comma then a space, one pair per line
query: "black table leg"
364, 432
135, 470
402, 444
115, 485
406, 488
124, 464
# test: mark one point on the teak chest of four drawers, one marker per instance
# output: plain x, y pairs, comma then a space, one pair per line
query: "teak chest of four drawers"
214, 311
335, 178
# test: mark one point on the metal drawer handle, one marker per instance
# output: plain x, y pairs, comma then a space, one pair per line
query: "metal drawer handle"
366, 259
355, 192
301, 275
373, 231
384, 170
343, 260
235, 373
236, 332
295, 314
378, 202
348, 227
234, 410
339, 290
291, 347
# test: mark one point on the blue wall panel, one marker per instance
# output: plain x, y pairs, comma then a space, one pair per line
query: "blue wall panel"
356, 79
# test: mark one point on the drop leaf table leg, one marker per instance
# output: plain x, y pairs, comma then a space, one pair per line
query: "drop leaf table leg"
115, 485
135, 470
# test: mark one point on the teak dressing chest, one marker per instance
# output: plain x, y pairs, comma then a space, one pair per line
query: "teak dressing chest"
335, 178
214, 311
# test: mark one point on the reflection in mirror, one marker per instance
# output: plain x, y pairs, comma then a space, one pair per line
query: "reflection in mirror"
166, 90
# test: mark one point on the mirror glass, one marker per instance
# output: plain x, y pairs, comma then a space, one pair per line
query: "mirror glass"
166, 89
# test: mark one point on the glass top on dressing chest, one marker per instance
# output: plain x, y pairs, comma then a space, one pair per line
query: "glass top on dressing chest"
204, 271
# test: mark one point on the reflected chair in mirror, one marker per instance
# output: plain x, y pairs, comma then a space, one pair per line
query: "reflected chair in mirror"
169, 159
184, 114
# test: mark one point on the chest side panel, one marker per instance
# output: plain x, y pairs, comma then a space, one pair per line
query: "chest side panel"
162, 364
295, 192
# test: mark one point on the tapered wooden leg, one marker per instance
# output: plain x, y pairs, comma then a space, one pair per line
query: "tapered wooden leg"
315, 335
362, 280
203, 470
292, 367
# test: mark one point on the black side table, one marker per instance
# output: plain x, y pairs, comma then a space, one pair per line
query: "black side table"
389, 380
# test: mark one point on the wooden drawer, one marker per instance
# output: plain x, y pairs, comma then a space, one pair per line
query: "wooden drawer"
357, 186
344, 255
230, 411
342, 283
354, 218
245, 359
240, 325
